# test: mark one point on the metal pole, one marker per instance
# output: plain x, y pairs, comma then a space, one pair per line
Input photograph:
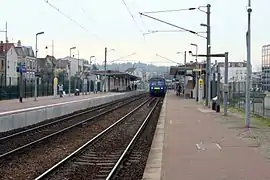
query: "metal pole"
218, 89
185, 58
226, 88
90, 72
197, 76
6, 57
248, 36
105, 69
185, 62
69, 76
21, 86
36, 70
207, 100
35, 93
52, 48
76, 83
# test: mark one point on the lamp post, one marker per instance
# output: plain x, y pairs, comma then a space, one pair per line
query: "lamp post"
35, 93
69, 70
249, 72
197, 75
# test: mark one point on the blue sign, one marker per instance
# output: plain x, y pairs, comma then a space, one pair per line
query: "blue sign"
21, 69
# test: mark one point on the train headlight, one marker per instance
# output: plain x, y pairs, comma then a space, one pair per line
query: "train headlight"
152, 88
161, 88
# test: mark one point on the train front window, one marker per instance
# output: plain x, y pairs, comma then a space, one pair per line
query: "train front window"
157, 83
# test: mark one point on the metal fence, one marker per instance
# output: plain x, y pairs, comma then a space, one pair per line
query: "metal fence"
11, 89
260, 102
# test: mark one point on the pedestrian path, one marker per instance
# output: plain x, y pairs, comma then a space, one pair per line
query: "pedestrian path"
195, 146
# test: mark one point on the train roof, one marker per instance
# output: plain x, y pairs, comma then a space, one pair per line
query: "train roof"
157, 78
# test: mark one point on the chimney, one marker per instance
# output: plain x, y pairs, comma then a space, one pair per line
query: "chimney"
19, 43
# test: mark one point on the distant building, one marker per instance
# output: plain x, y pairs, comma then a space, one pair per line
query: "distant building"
257, 80
266, 67
237, 71
46, 66
76, 66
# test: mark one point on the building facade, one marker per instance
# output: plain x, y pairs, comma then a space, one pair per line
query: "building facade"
266, 67
237, 71
76, 65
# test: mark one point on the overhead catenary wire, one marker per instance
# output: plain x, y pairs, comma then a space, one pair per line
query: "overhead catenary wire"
142, 14
70, 18
134, 20
169, 10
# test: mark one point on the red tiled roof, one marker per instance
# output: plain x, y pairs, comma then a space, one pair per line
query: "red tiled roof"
7, 46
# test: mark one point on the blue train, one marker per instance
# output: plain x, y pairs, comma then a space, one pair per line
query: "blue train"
157, 87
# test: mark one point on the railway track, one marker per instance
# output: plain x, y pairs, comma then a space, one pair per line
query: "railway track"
18, 141
102, 155
31, 161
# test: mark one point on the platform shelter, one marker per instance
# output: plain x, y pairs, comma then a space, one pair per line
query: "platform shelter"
116, 80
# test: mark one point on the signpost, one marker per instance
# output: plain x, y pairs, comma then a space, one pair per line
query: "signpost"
55, 83
21, 68
200, 89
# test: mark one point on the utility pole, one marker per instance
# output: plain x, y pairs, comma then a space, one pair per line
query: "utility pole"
105, 69
208, 64
248, 39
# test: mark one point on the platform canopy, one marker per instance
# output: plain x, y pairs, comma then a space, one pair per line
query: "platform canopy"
188, 69
117, 74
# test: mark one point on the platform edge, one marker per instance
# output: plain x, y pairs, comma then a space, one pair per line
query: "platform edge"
153, 168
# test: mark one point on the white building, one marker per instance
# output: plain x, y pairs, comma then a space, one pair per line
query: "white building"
237, 71
76, 65
16, 55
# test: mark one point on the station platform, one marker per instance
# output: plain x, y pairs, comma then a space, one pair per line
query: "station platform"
14, 115
13, 105
192, 142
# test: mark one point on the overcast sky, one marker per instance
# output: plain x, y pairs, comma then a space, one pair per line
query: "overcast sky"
101, 23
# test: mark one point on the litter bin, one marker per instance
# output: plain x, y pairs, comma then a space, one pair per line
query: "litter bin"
77, 92
214, 103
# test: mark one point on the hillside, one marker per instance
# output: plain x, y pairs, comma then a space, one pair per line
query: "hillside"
139, 67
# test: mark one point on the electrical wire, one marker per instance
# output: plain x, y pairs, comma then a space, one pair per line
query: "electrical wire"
134, 20
68, 17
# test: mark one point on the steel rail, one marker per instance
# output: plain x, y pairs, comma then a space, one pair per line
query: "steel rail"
118, 163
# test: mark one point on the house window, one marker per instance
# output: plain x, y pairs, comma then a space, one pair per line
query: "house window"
31, 64
2, 64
